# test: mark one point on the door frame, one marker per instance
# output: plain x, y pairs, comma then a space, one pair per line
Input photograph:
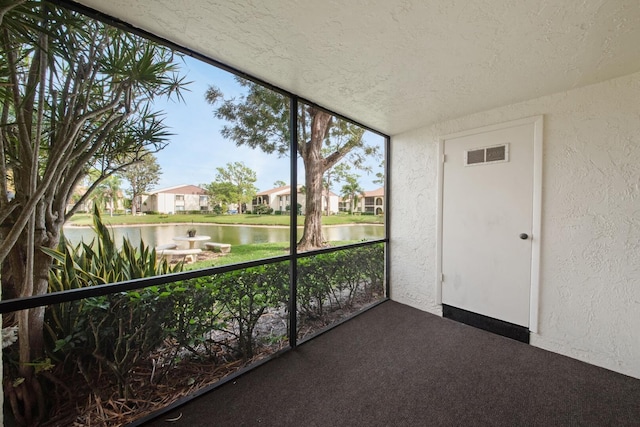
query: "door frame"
536, 226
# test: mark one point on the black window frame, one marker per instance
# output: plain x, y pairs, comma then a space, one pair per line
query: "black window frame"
16, 304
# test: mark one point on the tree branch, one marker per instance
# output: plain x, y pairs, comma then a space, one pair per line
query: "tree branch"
4, 188
6, 8
12, 71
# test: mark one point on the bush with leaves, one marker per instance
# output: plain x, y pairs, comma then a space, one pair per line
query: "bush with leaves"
314, 284
346, 277
370, 261
333, 280
245, 295
196, 316
262, 210
114, 331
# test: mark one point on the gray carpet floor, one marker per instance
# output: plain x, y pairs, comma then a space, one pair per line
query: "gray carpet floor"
398, 366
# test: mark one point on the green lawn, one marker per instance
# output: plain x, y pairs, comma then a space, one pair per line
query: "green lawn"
243, 253
85, 219
251, 252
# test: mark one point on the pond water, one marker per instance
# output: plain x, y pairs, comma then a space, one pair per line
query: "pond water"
154, 235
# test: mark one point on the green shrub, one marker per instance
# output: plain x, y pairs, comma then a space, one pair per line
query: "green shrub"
370, 262
115, 331
262, 210
333, 280
245, 295
298, 210
196, 315
346, 277
314, 284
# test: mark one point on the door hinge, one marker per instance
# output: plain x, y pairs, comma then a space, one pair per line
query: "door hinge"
444, 158
441, 277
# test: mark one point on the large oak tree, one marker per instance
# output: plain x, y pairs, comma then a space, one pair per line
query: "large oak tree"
260, 119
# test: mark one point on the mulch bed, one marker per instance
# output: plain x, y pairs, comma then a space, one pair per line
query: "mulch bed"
81, 405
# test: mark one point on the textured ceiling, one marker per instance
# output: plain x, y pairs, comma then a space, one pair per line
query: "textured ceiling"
396, 65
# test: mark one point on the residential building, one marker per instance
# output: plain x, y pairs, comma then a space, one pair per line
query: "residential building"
373, 202
176, 199
370, 202
279, 198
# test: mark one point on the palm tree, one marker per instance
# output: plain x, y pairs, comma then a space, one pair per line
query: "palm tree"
112, 192
352, 191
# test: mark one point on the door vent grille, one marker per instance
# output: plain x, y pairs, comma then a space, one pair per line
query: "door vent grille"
483, 156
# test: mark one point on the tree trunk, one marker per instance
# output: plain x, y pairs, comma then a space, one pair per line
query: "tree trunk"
27, 398
328, 202
42, 265
312, 235
13, 277
314, 168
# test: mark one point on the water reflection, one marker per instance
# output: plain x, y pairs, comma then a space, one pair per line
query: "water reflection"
154, 235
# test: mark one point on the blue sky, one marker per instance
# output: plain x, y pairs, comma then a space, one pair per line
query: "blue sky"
197, 148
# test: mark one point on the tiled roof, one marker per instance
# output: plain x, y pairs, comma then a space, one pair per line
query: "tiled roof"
375, 193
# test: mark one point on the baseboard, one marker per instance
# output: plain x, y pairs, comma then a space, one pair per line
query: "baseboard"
499, 327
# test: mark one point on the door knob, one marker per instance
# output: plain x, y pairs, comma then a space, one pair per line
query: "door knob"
524, 236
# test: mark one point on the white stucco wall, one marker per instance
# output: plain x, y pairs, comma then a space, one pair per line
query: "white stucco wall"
590, 261
166, 202
191, 202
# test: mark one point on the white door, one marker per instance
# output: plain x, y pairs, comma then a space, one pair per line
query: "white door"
488, 221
